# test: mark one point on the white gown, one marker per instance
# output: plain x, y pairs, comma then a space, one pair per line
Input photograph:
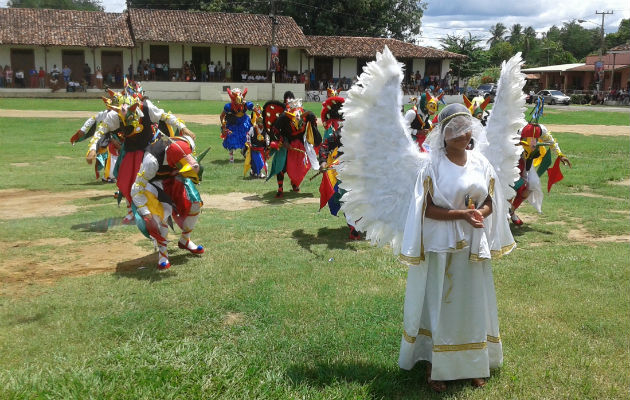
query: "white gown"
450, 311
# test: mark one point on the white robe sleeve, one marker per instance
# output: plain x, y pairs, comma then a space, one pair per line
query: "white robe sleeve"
157, 114
110, 123
148, 170
409, 117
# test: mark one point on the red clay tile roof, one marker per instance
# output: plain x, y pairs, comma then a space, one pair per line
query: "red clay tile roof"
621, 47
42, 27
197, 27
348, 46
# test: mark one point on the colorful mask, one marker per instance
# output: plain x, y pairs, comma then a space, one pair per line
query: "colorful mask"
237, 98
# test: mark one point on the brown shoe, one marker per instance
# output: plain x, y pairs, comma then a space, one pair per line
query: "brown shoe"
478, 382
436, 386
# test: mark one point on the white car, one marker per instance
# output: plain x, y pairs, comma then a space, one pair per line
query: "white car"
554, 97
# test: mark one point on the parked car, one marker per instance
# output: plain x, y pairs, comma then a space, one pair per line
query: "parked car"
553, 97
483, 90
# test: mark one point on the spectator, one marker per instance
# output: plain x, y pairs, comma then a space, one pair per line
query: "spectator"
228, 72
140, 69
193, 71
204, 71
146, 70
42, 78
19, 79
165, 71
219, 71
54, 77
211, 68
99, 77
33, 75
243, 76
186, 71
87, 75
159, 70
1, 76
130, 71
8, 76
66, 73
152, 70
117, 74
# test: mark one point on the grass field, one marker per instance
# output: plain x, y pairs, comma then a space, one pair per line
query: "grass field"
282, 305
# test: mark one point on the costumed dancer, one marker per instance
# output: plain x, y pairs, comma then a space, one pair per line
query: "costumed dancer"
165, 187
235, 123
538, 144
295, 139
421, 116
329, 152
444, 211
106, 149
257, 143
477, 107
137, 123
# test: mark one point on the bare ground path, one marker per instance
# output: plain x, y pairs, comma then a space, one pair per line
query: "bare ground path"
207, 119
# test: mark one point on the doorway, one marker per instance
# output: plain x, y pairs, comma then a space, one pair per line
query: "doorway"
323, 71
240, 62
200, 55
75, 59
23, 60
112, 62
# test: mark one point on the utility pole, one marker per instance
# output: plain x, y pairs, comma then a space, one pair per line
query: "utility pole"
601, 47
274, 22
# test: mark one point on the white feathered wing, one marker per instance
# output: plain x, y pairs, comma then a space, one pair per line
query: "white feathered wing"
380, 162
507, 118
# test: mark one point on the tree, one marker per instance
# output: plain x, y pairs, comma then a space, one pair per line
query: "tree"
579, 41
476, 59
619, 37
497, 33
84, 5
529, 40
399, 19
499, 52
516, 35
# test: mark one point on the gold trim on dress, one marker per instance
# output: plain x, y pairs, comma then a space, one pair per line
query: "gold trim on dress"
408, 339
493, 339
410, 260
440, 348
504, 250
491, 187
461, 244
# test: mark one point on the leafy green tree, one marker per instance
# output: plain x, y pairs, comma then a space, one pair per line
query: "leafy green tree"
497, 33
577, 40
84, 5
499, 52
621, 36
476, 58
529, 41
400, 19
516, 35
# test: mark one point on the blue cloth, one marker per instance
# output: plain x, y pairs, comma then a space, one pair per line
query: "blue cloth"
239, 128
334, 203
257, 162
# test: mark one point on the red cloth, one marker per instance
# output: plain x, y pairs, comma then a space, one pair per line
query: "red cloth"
326, 190
554, 174
127, 171
177, 192
297, 163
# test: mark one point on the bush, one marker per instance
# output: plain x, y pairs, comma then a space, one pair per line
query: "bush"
580, 98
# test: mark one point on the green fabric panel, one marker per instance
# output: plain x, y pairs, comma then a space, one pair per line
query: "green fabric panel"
279, 161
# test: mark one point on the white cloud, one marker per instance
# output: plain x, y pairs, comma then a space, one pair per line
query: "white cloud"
458, 17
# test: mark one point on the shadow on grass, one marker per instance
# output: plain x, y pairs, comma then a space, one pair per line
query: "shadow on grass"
270, 197
382, 383
145, 268
337, 238
526, 228
93, 183
101, 226
237, 160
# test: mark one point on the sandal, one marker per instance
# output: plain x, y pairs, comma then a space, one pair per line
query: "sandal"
436, 386
478, 382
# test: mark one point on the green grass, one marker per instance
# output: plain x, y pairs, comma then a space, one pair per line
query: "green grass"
282, 306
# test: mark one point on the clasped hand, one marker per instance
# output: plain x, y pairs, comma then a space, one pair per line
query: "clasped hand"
474, 217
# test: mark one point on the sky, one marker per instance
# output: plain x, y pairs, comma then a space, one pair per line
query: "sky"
458, 17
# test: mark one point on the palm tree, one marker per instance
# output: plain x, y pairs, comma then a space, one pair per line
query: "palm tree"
497, 33
529, 37
516, 35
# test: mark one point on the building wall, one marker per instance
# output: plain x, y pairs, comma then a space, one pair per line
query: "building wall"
348, 68
258, 58
293, 60
419, 65
446, 65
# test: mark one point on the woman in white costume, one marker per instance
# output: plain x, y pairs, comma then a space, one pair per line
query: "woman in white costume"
445, 212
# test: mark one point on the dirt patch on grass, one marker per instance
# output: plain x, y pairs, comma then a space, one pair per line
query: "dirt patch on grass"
45, 261
625, 182
595, 196
20, 164
233, 319
243, 201
581, 234
21, 203
589, 130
